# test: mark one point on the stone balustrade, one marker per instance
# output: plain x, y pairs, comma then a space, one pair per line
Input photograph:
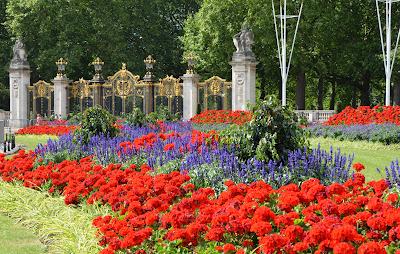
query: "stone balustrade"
316, 116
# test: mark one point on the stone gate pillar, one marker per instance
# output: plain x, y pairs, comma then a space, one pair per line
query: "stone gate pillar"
243, 70
190, 95
20, 78
61, 83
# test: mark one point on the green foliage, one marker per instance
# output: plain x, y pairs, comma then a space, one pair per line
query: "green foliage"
337, 47
96, 121
41, 213
162, 114
75, 118
271, 134
80, 30
135, 118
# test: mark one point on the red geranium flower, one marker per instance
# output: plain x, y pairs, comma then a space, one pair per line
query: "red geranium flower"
358, 167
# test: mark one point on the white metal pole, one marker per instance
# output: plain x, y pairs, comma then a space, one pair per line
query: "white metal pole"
388, 50
284, 77
281, 41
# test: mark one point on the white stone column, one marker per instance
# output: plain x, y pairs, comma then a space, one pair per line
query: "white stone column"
243, 81
190, 99
20, 78
61, 83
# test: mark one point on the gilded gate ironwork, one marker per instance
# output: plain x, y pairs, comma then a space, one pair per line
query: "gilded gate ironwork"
169, 93
81, 95
41, 98
215, 93
123, 91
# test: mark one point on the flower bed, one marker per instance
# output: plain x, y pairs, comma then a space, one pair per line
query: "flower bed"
166, 211
366, 115
170, 147
383, 133
46, 130
222, 117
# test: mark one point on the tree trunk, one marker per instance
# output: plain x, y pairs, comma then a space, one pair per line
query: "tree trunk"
333, 97
353, 96
301, 90
321, 93
396, 93
263, 83
366, 90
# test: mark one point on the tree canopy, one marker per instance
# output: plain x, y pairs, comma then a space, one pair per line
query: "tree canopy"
337, 59
117, 31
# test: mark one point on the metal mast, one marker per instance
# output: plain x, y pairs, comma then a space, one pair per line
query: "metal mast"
281, 41
388, 61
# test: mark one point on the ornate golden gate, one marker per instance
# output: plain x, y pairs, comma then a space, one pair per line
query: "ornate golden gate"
41, 96
123, 91
81, 96
169, 93
215, 93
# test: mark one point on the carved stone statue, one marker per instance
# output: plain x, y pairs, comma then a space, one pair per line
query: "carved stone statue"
19, 54
244, 41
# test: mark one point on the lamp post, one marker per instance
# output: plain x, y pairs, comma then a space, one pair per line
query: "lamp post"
386, 43
150, 62
61, 64
281, 41
98, 67
191, 59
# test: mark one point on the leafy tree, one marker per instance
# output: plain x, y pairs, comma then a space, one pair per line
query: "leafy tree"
117, 31
5, 53
337, 54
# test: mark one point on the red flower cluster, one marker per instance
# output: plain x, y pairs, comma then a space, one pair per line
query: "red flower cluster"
366, 115
46, 130
353, 217
147, 141
358, 167
223, 116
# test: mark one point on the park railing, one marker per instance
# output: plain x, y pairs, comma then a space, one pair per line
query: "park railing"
316, 116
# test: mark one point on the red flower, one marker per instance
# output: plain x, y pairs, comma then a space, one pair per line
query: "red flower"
344, 248
169, 147
371, 248
358, 167
229, 248
393, 198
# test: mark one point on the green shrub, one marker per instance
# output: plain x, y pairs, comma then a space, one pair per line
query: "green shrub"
162, 114
75, 118
96, 121
135, 118
271, 134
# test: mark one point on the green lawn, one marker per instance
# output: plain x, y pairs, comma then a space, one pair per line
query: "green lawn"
372, 155
31, 141
13, 237
17, 239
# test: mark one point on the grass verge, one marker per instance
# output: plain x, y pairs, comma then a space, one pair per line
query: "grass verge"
30, 142
61, 228
372, 155
17, 240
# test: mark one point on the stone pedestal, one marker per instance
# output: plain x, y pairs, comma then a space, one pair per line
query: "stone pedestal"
190, 97
243, 81
61, 83
20, 78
